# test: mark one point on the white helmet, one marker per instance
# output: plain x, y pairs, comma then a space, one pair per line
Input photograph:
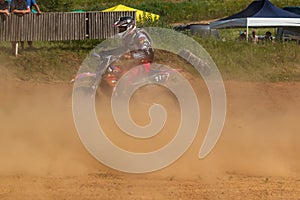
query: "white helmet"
125, 24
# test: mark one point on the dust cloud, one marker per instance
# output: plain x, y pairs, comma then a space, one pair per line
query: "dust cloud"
260, 136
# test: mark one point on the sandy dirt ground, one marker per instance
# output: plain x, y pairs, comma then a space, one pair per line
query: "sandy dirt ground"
257, 156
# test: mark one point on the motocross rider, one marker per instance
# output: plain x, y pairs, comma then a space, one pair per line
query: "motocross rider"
135, 39
137, 45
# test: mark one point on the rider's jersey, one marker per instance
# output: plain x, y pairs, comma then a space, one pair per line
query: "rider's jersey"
139, 45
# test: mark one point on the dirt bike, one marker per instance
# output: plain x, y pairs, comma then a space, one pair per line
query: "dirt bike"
111, 74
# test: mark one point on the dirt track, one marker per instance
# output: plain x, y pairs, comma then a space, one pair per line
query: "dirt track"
257, 156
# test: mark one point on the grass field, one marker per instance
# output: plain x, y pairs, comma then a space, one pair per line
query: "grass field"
236, 60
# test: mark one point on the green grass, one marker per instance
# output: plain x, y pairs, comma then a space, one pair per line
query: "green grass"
47, 62
236, 60
239, 60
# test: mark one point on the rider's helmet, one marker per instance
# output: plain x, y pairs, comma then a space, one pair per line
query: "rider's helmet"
125, 24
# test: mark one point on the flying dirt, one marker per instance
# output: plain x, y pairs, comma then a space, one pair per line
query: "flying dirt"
257, 155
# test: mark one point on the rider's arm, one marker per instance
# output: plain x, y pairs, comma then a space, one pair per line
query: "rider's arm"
144, 47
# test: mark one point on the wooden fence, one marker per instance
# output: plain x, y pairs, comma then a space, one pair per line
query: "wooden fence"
59, 26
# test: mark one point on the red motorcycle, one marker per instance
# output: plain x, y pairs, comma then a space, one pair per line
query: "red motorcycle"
108, 79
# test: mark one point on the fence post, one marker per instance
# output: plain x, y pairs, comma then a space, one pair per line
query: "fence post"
16, 48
